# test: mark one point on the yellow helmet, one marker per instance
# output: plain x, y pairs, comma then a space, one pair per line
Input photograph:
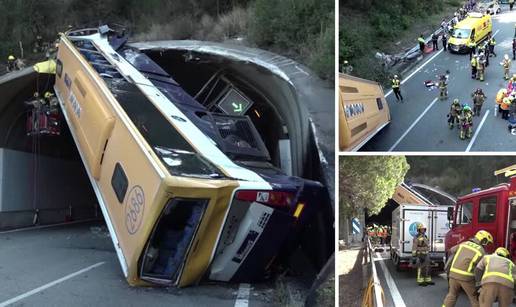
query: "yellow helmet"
484, 237
47, 94
502, 251
420, 226
11, 58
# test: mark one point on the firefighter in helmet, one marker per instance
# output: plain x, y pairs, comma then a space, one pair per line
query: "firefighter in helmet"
11, 62
462, 260
455, 111
496, 275
420, 249
478, 101
443, 87
466, 122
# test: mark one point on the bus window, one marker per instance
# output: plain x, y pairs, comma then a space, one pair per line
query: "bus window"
487, 210
465, 214
379, 103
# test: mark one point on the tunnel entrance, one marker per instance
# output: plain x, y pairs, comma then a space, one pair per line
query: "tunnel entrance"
43, 178
210, 80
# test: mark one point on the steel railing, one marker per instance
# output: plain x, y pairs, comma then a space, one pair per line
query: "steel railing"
373, 294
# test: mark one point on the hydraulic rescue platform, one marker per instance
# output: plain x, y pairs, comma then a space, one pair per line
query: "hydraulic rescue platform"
186, 193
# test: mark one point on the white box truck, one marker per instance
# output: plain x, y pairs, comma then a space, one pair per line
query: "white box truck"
405, 219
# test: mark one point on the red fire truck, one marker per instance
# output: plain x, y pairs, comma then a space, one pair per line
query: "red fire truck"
493, 210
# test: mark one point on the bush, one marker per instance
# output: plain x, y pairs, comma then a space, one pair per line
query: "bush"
321, 56
293, 26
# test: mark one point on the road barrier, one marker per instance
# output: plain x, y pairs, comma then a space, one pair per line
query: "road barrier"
373, 293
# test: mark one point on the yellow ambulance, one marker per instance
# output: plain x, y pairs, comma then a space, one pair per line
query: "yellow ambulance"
476, 27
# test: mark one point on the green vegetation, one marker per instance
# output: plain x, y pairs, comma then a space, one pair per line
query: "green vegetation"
370, 26
367, 182
301, 29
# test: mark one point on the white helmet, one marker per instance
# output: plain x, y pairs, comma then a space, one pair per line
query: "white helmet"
506, 56
395, 76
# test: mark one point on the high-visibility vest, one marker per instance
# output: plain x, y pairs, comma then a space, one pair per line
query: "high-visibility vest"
472, 44
466, 258
421, 40
506, 104
498, 267
474, 62
492, 42
395, 83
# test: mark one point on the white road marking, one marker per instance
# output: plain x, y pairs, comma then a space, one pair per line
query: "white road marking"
424, 64
50, 284
415, 71
413, 124
242, 299
393, 289
477, 131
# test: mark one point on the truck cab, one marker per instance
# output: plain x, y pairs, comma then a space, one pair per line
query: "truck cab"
493, 210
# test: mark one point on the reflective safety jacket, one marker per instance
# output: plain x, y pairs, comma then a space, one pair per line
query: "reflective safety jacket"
496, 269
463, 259
420, 245
473, 62
395, 83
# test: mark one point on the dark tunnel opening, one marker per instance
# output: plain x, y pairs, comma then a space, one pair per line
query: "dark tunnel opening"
194, 71
42, 174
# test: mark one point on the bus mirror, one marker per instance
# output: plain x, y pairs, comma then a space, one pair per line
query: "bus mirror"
450, 213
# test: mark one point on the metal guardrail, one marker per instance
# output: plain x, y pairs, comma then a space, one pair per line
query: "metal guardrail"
373, 296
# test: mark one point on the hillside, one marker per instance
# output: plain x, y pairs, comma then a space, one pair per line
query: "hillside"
303, 30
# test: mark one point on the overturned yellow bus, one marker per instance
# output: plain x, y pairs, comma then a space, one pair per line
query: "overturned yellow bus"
363, 111
186, 193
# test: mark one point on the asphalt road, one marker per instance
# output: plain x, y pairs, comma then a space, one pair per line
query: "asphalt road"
403, 288
77, 266
420, 123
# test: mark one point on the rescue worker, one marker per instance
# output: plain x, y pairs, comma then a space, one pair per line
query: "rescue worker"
455, 111
485, 50
478, 100
434, 42
11, 62
443, 88
472, 48
420, 249
421, 42
502, 93
492, 44
474, 67
514, 49
481, 67
466, 123
506, 64
444, 40
460, 265
505, 106
496, 274
47, 97
347, 68
511, 86
396, 88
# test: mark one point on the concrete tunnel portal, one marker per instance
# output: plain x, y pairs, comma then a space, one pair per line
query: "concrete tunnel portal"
43, 180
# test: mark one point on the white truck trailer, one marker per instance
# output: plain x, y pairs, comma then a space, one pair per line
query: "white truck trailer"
405, 219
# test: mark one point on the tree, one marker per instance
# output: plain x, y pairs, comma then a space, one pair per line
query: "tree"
367, 182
